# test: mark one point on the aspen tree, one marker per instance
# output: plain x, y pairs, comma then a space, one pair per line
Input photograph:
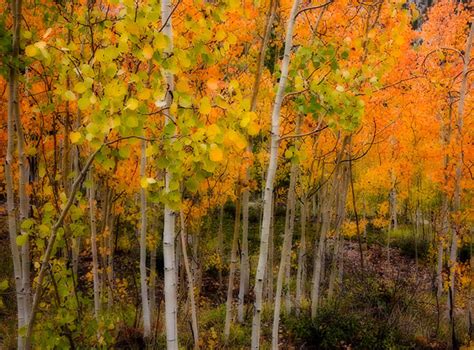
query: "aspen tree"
146, 314
19, 266
244, 260
170, 288
269, 183
286, 248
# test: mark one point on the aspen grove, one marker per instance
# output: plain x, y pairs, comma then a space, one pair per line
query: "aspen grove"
236, 174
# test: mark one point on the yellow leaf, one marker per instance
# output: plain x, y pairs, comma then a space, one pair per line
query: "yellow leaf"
216, 154
144, 94
143, 182
75, 136
205, 106
240, 143
132, 104
253, 129
148, 52
160, 41
220, 35
212, 131
80, 87
31, 50
26, 34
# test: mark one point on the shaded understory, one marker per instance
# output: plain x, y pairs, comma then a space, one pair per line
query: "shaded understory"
386, 305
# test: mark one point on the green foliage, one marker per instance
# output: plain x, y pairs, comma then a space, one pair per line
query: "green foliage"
372, 314
5, 46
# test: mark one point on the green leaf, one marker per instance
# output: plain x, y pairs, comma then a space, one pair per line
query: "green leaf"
26, 224
3, 285
69, 95
21, 240
191, 184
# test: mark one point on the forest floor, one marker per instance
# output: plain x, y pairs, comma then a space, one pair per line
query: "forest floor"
388, 301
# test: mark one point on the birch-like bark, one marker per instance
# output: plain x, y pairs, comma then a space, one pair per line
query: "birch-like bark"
442, 234
171, 307
12, 214
458, 177
190, 278
24, 202
393, 213
244, 256
244, 259
301, 271
269, 272
220, 240
320, 252
153, 271
327, 200
272, 167
286, 248
24, 173
340, 195
153, 278
95, 258
233, 265
146, 315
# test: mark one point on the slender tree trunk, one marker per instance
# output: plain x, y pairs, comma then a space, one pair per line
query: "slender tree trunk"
340, 195
233, 265
301, 272
153, 279
244, 256
146, 315
393, 214
189, 277
24, 203
12, 214
95, 258
49, 248
271, 249
286, 249
220, 241
76, 247
272, 167
23, 167
320, 253
244, 260
110, 259
458, 178
169, 215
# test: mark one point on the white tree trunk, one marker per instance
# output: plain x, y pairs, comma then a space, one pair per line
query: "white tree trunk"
12, 215
95, 259
220, 241
269, 271
190, 278
272, 167
285, 251
233, 266
458, 178
244, 256
301, 271
340, 195
320, 256
171, 317
20, 267
146, 315
244, 260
